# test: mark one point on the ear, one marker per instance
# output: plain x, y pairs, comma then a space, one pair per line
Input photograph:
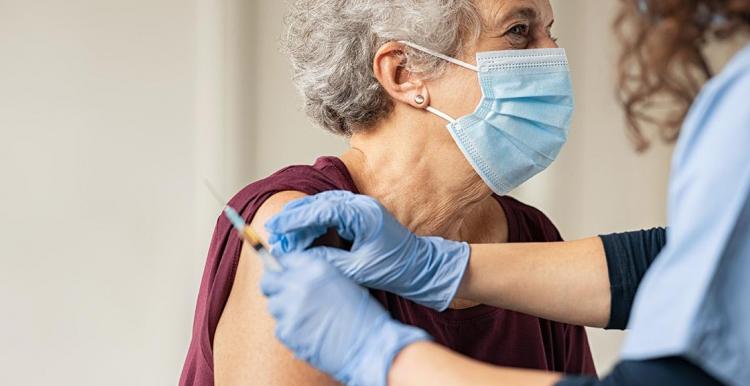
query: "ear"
398, 82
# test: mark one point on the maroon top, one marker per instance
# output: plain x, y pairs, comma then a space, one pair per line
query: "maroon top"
486, 333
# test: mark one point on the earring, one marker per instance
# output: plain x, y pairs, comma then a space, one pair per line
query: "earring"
419, 99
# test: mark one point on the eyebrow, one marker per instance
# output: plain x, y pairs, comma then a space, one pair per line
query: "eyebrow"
519, 13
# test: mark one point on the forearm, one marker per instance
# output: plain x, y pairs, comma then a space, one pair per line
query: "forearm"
427, 363
564, 281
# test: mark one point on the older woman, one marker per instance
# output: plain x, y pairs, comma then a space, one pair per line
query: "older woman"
388, 75
690, 322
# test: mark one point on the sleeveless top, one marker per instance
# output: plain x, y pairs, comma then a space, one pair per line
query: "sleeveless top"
485, 333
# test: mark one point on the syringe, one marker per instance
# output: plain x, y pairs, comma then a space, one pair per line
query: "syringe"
246, 233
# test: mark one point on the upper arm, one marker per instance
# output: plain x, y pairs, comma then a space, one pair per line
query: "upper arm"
629, 256
245, 347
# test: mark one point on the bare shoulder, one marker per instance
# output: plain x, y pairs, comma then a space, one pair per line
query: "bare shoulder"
270, 208
246, 351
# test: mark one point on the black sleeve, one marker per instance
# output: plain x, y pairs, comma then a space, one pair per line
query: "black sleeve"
656, 372
629, 255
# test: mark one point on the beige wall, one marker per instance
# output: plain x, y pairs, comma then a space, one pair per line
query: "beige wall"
97, 163
112, 112
285, 136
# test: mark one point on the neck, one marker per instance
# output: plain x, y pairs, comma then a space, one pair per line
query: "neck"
418, 174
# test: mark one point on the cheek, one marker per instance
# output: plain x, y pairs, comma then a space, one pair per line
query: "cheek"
457, 95
469, 96
476, 94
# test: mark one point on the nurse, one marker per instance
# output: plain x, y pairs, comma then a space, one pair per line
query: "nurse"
685, 300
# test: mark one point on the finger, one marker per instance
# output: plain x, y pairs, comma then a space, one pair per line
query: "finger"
271, 283
276, 308
331, 195
322, 263
294, 241
350, 224
288, 323
298, 264
335, 195
301, 268
281, 335
321, 209
323, 215
298, 202
338, 258
316, 213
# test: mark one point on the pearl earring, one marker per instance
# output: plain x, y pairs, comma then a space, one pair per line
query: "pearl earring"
419, 99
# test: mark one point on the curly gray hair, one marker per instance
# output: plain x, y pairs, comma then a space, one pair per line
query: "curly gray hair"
332, 44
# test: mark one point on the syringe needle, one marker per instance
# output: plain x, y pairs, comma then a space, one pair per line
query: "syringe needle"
214, 193
244, 230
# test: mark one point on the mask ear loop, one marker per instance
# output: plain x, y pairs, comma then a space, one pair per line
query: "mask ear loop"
446, 58
440, 114
439, 55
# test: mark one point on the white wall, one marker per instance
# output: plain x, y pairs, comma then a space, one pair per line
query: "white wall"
97, 160
284, 134
112, 112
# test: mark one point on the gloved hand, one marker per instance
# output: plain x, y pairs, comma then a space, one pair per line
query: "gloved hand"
384, 254
333, 323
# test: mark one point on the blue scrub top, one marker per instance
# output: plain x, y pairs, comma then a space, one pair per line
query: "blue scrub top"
695, 299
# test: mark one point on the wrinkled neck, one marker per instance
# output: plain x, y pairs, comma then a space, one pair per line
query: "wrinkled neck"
417, 172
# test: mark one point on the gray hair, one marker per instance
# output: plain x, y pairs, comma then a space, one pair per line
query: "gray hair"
332, 44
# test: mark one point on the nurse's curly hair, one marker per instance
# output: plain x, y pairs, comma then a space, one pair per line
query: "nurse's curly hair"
662, 66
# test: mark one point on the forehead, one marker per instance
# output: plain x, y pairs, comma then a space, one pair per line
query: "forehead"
495, 11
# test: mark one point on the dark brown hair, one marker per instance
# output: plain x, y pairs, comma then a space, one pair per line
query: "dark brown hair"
662, 66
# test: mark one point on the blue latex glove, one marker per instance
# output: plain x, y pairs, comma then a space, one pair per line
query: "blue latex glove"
384, 254
333, 323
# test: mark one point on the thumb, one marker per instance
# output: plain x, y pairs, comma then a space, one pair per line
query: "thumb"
271, 282
341, 259
296, 240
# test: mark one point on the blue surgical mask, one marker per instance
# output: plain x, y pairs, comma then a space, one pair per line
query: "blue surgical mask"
522, 120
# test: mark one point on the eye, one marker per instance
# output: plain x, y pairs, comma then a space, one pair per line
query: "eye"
519, 29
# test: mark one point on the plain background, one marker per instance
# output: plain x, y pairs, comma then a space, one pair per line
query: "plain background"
112, 112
